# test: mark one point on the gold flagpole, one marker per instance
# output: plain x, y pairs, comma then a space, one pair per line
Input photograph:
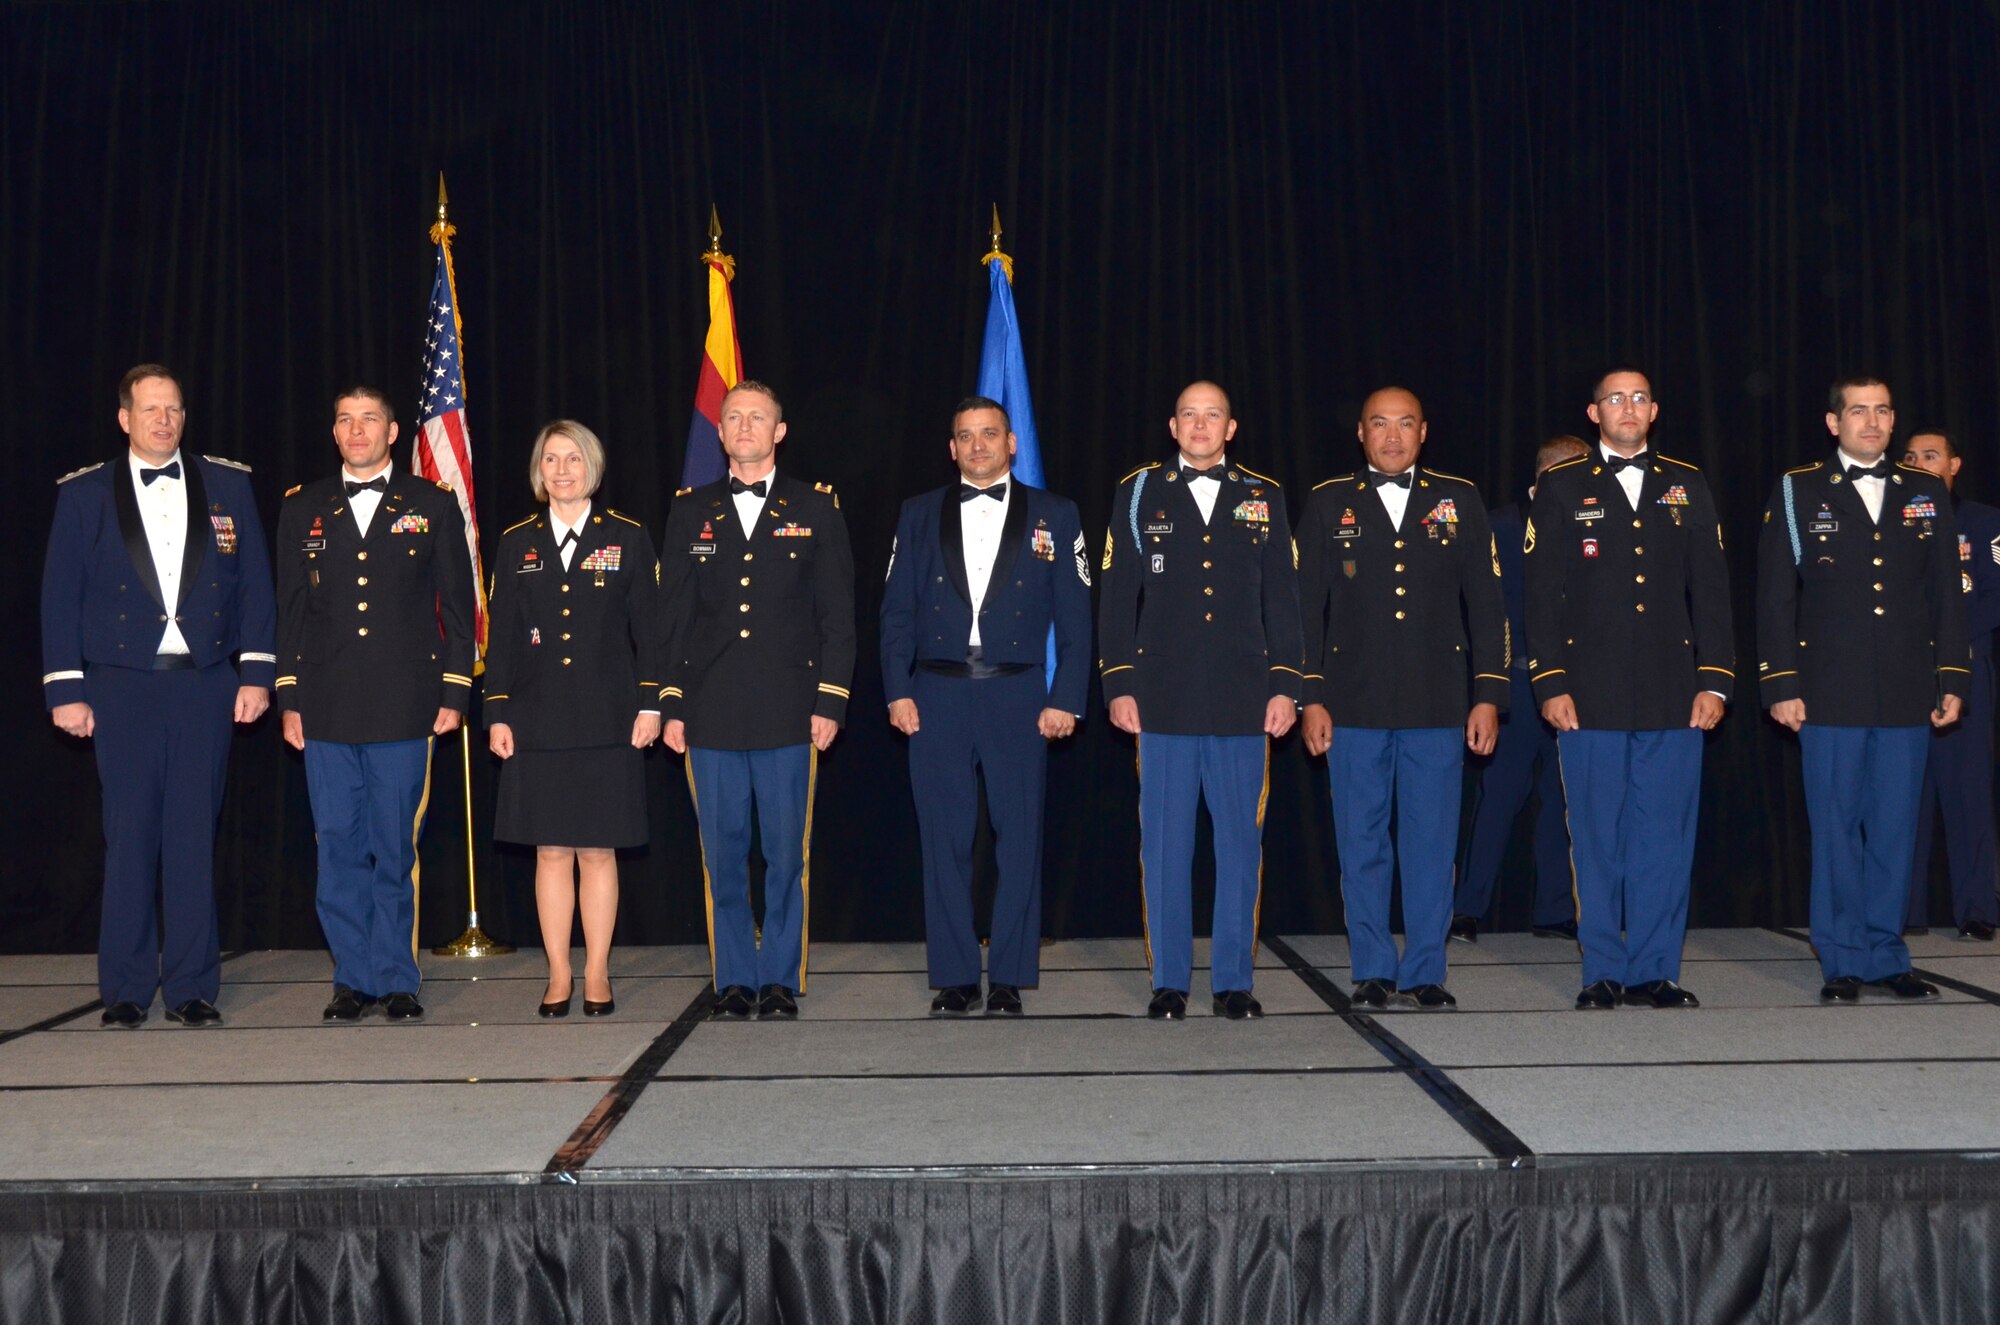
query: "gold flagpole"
474, 942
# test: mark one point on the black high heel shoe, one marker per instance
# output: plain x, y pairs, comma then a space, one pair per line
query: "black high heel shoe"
558, 1009
592, 1008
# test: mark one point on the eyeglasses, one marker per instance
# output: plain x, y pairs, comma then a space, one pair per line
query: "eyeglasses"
1617, 398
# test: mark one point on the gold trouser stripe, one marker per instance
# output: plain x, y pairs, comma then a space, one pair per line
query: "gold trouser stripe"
416, 857
1257, 912
1145, 914
1575, 896
805, 864
707, 887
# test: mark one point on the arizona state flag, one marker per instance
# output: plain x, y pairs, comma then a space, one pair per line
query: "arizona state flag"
721, 367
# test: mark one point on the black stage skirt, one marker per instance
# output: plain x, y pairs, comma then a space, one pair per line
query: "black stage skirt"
593, 797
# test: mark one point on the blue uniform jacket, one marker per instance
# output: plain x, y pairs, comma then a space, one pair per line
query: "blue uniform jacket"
101, 599
1041, 576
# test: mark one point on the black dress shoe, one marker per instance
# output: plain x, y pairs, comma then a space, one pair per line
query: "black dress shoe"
593, 1008
1561, 929
1237, 1004
1003, 1001
1977, 930
1168, 1005
1431, 998
733, 1003
195, 1012
1841, 989
125, 1016
345, 1005
402, 1007
1903, 985
1464, 929
1599, 997
955, 1000
1660, 994
1371, 994
776, 1001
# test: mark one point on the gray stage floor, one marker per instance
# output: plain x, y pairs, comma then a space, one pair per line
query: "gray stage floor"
867, 1080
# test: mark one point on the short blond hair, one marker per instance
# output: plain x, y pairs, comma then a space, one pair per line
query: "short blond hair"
586, 442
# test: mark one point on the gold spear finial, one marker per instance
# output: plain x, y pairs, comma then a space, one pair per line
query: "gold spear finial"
713, 255
995, 232
442, 229
994, 254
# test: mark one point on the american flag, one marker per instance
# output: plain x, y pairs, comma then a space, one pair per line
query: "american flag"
444, 446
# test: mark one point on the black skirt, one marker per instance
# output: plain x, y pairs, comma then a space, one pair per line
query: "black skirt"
593, 797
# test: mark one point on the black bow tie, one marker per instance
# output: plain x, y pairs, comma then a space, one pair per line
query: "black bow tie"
1191, 474
1880, 469
1381, 480
172, 469
1619, 463
998, 492
737, 485
380, 483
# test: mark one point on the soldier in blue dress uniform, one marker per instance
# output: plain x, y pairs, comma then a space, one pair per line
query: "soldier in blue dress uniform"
158, 630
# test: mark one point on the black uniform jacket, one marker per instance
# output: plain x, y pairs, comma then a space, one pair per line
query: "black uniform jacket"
1392, 615
1200, 622
1867, 622
1041, 578
375, 634
1628, 611
574, 656
760, 622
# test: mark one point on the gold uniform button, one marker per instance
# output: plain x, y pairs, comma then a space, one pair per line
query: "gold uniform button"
565, 611
1205, 537
745, 632
1400, 591
1399, 568
361, 556
1207, 590
565, 588
1878, 610
1399, 542
1399, 616
1209, 617
565, 634
749, 556
1878, 587
1638, 552
362, 631
1206, 565
1878, 536
361, 580
565, 662
1635, 524
1638, 579
1640, 606
746, 581
1878, 560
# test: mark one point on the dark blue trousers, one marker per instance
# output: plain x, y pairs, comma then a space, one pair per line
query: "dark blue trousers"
1420, 773
1633, 801
1525, 742
1232, 774
1861, 800
779, 784
368, 804
988, 726
162, 743
1958, 781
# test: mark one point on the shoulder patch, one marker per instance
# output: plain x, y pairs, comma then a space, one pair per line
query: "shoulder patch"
518, 523
620, 515
1140, 470
682, 492
1434, 473
294, 489
226, 462
1806, 469
78, 473
1338, 478
1264, 477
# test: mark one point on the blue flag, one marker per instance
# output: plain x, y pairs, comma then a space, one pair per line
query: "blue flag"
1003, 376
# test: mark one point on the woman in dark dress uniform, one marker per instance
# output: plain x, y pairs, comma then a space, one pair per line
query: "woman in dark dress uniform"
576, 644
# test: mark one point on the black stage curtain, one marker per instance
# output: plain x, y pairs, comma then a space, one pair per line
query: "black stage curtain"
1865, 1240
1483, 202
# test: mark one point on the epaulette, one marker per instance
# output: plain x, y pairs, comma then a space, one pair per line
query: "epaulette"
1140, 470
682, 492
294, 489
517, 524
1340, 478
1565, 464
442, 484
1437, 473
78, 473
1806, 469
620, 515
226, 462
827, 488
1913, 469
1682, 463
1262, 478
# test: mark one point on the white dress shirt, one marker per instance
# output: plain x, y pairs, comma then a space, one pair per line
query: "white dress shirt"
1869, 488
749, 506
163, 511
1629, 478
1203, 490
1395, 500
563, 531
363, 504
979, 526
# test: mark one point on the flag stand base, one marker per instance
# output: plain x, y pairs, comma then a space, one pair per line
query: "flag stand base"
472, 943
